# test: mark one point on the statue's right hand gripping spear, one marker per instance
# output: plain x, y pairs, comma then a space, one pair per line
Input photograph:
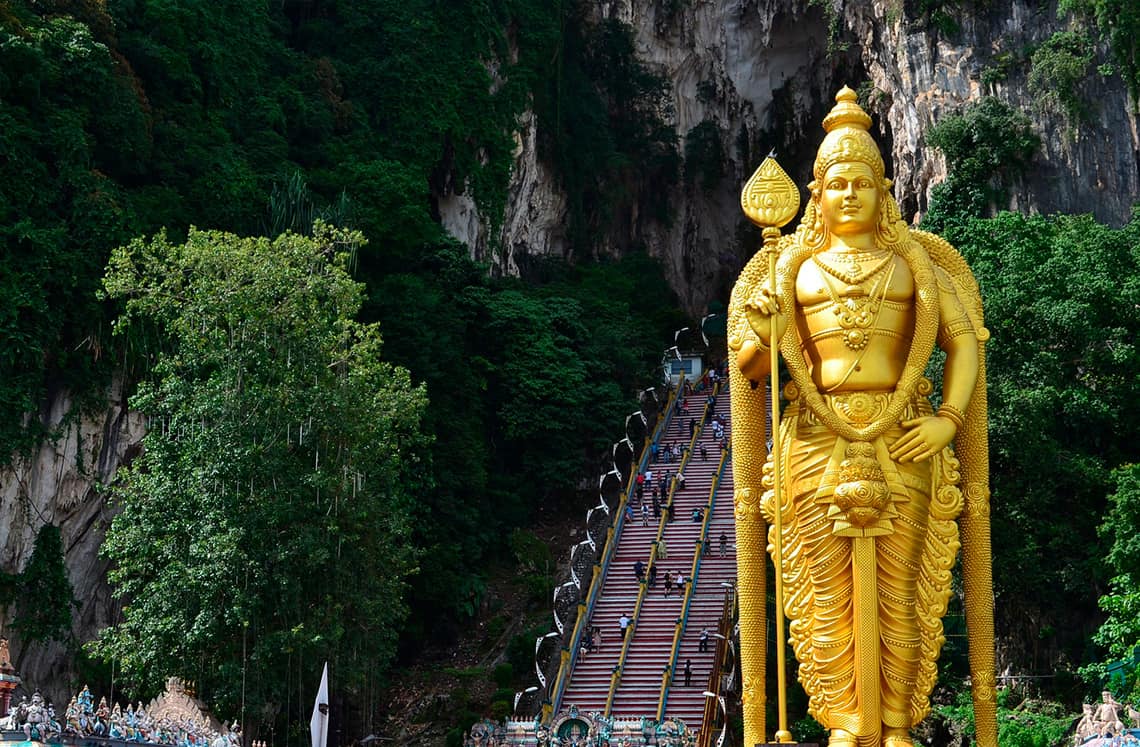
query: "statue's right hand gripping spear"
770, 200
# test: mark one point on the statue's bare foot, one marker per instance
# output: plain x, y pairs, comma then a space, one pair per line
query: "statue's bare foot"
896, 737
842, 738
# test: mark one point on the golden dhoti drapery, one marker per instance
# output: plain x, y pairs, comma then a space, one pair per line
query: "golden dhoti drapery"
869, 544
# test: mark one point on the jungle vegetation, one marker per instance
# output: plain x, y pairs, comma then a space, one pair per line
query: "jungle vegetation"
152, 149
128, 123
1062, 302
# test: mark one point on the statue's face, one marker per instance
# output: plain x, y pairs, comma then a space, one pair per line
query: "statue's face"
850, 199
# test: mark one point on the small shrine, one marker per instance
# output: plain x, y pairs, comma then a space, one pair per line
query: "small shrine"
9, 680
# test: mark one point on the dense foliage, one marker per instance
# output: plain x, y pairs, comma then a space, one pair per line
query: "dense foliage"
1119, 24
1063, 303
130, 117
987, 145
604, 132
1058, 67
71, 130
1022, 721
1120, 633
41, 596
123, 118
267, 520
523, 379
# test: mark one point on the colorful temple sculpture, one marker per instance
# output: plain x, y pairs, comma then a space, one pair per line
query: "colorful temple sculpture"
173, 718
1108, 723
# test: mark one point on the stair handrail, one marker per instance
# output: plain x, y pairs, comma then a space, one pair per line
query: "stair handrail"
724, 630
690, 589
615, 678
569, 657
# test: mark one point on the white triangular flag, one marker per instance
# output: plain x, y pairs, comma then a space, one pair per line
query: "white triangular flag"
319, 723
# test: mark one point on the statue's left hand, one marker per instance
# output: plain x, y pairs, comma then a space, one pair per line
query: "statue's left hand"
926, 437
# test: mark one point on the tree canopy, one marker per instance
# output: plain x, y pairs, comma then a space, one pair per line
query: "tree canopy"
268, 516
126, 118
1062, 298
1120, 633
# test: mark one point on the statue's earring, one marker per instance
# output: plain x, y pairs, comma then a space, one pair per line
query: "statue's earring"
816, 233
889, 219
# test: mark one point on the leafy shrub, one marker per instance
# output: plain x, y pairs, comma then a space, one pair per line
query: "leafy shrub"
530, 551
1119, 24
1021, 722
1062, 299
520, 650
704, 155
986, 145
1057, 69
500, 709
503, 675
42, 592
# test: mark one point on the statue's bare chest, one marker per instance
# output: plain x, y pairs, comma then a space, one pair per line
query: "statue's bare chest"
850, 300
831, 277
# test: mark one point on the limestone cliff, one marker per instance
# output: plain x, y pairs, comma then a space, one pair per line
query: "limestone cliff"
58, 484
762, 72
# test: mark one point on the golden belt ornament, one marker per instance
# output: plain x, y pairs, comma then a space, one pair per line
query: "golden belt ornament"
862, 492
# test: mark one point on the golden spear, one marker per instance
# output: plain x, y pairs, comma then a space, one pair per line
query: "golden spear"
770, 200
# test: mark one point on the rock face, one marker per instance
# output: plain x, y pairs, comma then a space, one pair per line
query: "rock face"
535, 217
763, 72
1083, 166
58, 485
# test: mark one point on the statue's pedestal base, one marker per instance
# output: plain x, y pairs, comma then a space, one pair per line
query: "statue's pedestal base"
787, 744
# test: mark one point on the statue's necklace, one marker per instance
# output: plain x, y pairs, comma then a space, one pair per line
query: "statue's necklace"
858, 313
855, 274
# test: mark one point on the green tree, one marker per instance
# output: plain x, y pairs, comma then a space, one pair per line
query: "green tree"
1119, 24
266, 521
529, 383
1062, 297
1120, 633
704, 154
987, 145
67, 124
1059, 66
42, 593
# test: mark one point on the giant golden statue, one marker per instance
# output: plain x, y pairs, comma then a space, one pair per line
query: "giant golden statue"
861, 493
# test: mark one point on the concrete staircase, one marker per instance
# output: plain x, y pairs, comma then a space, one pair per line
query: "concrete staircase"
642, 687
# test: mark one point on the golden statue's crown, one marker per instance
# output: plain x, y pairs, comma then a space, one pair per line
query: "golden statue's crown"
847, 137
846, 112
